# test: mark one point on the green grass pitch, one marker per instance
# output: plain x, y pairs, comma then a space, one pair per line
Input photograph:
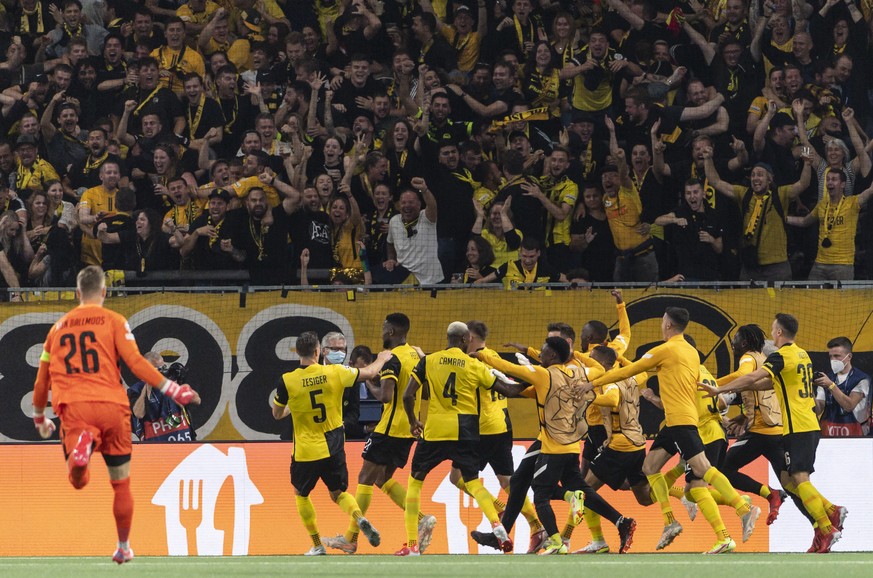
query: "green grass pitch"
627, 566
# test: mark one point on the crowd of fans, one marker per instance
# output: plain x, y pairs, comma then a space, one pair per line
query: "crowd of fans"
467, 141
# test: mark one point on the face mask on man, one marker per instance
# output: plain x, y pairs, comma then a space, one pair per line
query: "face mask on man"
838, 365
336, 357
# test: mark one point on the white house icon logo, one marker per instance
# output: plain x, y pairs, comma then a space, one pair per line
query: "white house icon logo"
459, 507
189, 495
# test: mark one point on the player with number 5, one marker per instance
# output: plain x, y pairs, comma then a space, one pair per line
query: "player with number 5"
312, 395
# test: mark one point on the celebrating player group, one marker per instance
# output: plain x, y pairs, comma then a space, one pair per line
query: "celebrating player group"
591, 393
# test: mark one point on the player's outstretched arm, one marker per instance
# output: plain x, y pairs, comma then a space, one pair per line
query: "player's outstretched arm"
125, 344
749, 381
528, 373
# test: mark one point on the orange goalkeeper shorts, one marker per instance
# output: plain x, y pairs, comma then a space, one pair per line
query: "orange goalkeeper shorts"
109, 423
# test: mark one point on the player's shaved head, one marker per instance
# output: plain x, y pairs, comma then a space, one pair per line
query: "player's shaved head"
90, 282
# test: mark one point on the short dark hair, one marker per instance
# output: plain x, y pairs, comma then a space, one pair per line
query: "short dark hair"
361, 352
513, 162
564, 329
560, 347
399, 321
478, 328
608, 355
788, 323
530, 244
679, 316
599, 331
428, 20
306, 344
125, 199
841, 342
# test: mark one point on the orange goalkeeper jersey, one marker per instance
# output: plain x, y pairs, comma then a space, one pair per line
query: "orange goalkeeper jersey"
83, 350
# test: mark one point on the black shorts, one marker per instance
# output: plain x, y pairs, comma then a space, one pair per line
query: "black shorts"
332, 471
613, 468
462, 454
751, 445
593, 441
800, 451
684, 439
715, 452
496, 450
387, 450
552, 470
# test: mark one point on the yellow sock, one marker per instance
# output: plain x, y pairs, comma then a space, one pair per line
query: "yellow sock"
461, 485
349, 505
677, 492
592, 520
484, 499
829, 508
396, 492
813, 504
674, 473
310, 522
717, 480
363, 496
710, 511
662, 495
530, 514
499, 506
567, 533
764, 492
718, 498
413, 507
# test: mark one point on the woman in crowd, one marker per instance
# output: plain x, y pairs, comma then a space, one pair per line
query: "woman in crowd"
39, 219
590, 235
403, 161
499, 231
15, 252
478, 269
346, 231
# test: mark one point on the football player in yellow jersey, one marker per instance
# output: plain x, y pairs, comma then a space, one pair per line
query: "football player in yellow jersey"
388, 447
789, 372
759, 425
454, 381
551, 460
678, 366
619, 463
313, 396
597, 333
495, 449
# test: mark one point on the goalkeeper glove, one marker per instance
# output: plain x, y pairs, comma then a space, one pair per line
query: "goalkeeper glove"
181, 394
45, 427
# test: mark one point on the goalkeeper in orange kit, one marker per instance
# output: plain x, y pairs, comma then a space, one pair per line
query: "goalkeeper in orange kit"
80, 364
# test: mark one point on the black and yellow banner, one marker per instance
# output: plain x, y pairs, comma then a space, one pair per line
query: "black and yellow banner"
236, 348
